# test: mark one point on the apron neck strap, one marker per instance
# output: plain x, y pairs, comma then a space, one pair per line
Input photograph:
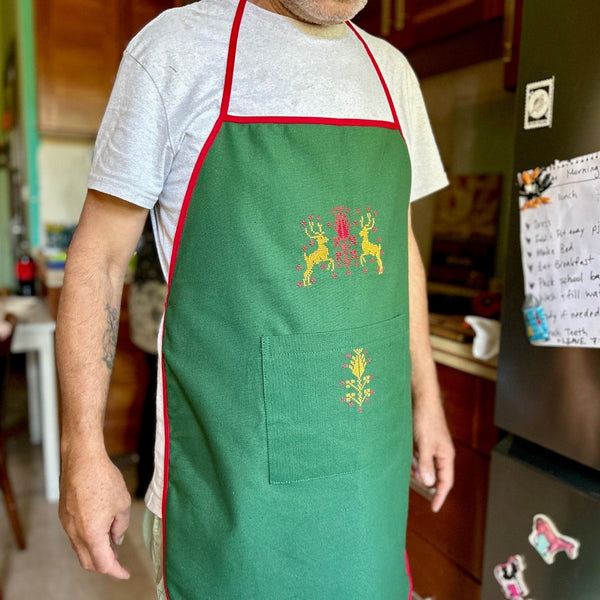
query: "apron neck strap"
233, 40
384, 85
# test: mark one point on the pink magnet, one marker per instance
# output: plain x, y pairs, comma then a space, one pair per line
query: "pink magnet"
548, 541
510, 577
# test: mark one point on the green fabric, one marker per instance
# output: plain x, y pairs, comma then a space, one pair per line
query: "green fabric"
300, 415
287, 368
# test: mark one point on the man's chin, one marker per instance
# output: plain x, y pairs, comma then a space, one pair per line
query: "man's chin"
324, 12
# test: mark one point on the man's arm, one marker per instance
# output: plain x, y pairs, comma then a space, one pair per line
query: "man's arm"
94, 502
434, 449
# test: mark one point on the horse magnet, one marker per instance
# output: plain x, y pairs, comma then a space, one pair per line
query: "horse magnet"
510, 577
548, 541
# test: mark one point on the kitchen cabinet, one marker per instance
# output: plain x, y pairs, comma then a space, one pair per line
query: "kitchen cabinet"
410, 23
512, 42
79, 44
446, 549
438, 35
434, 19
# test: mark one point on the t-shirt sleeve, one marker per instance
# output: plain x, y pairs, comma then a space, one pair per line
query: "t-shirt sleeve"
133, 150
428, 174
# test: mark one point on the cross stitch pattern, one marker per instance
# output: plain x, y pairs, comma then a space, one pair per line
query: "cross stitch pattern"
343, 244
359, 384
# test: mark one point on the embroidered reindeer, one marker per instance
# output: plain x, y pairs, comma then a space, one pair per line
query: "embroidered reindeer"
368, 248
321, 254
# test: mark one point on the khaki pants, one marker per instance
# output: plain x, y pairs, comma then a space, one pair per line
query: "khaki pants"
153, 539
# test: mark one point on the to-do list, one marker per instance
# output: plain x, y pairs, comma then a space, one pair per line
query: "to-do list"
560, 247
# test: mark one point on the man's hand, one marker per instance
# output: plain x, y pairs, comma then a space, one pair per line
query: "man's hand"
434, 450
94, 502
94, 510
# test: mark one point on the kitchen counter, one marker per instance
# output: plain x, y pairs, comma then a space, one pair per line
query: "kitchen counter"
459, 355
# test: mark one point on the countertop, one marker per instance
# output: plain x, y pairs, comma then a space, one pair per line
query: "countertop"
459, 355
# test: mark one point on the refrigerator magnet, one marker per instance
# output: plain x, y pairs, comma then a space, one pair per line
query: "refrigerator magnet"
510, 576
536, 324
532, 185
539, 104
548, 541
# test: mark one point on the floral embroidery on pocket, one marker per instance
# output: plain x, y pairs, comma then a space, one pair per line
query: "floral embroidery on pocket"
350, 235
359, 388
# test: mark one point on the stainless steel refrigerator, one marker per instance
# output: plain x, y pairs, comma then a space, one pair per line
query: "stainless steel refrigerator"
543, 522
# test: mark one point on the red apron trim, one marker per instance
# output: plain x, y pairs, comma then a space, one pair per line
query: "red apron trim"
410, 584
312, 121
410, 581
381, 79
235, 30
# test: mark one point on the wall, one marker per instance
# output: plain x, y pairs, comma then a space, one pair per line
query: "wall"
16, 23
28, 117
472, 116
63, 167
54, 172
7, 33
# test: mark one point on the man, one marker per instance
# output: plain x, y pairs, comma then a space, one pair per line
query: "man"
278, 147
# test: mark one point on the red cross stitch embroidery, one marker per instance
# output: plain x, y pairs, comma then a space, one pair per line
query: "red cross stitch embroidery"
348, 252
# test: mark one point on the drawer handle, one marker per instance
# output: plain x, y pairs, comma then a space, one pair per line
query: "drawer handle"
426, 492
416, 596
386, 17
400, 15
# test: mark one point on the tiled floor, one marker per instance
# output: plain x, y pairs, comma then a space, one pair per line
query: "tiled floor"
48, 568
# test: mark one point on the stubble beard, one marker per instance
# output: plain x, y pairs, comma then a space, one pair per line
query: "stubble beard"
324, 12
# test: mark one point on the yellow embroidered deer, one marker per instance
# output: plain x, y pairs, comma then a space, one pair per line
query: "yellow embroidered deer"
321, 254
368, 248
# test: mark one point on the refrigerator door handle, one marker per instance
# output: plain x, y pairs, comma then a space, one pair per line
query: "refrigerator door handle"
416, 596
426, 492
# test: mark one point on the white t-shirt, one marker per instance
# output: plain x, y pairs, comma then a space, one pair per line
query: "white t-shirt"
167, 97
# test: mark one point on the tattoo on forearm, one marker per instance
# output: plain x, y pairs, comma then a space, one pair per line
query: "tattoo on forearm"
109, 339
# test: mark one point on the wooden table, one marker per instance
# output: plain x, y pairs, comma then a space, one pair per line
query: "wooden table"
34, 336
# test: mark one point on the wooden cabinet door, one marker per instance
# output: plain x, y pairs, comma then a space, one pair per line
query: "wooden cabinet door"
429, 20
77, 59
435, 576
134, 14
411, 23
79, 44
446, 549
457, 530
469, 408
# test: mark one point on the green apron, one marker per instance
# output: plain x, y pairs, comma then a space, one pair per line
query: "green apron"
286, 362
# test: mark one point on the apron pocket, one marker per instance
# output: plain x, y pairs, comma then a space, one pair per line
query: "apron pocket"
336, 402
